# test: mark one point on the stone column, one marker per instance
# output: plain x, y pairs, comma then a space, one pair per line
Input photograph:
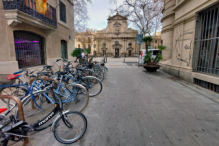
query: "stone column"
168, 29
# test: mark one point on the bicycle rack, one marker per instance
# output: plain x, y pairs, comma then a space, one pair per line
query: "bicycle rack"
20, 112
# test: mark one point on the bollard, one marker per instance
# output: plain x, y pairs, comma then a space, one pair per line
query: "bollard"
20, 112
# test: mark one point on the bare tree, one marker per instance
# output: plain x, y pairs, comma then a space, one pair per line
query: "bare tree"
144, 14
80, 14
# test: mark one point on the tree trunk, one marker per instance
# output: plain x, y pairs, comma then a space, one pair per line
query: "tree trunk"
155, 60
146, 45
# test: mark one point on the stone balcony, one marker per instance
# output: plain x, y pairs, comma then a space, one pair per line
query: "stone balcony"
25, 11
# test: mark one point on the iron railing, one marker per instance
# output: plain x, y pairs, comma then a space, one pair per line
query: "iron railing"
206, 51
207, 85
29, 7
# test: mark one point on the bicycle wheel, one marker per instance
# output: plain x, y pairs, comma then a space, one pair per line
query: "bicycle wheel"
105, 70
75, 94
45, 113
88, 72
99, 72
69, 127
100, 75
3, 120
15, 91
92, 84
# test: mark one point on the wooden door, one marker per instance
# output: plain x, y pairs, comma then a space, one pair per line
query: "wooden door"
116, 52
130, 53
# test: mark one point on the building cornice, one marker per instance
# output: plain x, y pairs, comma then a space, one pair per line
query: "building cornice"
166, 16
185, 19
179, 5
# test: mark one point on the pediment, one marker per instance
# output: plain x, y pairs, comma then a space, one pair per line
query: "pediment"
130, 30
117, 17
117, 24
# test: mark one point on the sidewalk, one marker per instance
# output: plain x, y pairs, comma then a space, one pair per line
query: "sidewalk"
138, 108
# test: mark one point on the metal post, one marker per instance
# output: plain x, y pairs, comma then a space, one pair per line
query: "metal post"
139, 55
20, 112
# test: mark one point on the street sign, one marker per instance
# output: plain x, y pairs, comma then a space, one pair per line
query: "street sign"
139, 38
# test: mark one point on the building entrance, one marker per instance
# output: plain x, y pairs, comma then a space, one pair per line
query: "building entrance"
117, 52
29, 49
130, 53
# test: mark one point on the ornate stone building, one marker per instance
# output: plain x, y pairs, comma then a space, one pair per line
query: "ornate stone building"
34, 33
190, 32
156, 40
115, 40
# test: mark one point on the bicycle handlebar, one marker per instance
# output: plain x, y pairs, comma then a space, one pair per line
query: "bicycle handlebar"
20, 71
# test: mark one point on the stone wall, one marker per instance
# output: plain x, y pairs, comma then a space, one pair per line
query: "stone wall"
178, 33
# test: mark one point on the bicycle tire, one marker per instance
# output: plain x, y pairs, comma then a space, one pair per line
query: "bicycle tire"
99, 72
105, 70
39, 114
95, 85
88, 72
81, 100
11, 91
60, 124
3, 120
100, 75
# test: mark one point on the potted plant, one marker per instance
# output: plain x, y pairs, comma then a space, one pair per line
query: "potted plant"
77, 53
150, 63
88, 51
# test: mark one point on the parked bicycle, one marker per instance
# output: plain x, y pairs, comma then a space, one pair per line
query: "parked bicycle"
68, 126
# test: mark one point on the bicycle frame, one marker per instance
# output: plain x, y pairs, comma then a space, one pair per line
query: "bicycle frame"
29, 91
69, 97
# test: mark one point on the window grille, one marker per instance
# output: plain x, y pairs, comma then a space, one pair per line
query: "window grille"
206, 50
207, 85
29, 49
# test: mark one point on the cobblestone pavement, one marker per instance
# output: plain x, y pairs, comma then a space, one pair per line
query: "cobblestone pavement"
137, 108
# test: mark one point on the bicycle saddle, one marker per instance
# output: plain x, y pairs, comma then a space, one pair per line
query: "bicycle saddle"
47, 67
57, 60
61, 72
13, 76
81, 68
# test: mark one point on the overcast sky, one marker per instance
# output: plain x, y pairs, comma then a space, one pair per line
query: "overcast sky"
98, 12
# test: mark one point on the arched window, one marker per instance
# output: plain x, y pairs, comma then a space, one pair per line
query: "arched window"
79, 46
29, 49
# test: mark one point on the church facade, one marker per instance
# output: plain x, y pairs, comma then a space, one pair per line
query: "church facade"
116, 40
